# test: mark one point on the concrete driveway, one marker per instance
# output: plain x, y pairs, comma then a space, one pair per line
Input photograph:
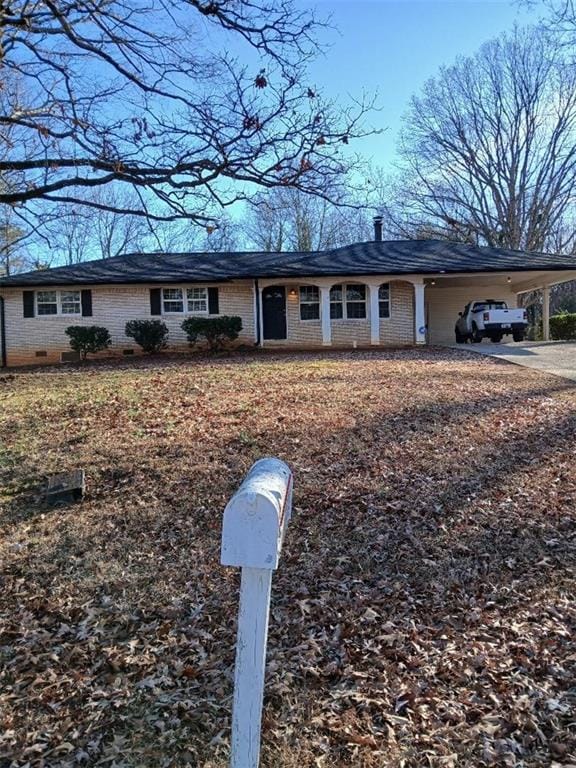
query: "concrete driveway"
557, 357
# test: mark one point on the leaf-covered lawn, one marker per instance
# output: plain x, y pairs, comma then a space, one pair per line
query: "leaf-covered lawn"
423, 613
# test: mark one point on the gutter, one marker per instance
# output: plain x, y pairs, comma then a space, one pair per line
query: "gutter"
2, 334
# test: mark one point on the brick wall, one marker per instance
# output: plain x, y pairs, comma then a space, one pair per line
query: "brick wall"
112, 307
397, 329
302, 333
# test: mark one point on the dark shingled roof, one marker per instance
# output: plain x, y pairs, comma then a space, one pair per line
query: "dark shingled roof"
392, 257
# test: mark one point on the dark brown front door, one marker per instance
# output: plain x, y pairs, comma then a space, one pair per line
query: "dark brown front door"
274, 312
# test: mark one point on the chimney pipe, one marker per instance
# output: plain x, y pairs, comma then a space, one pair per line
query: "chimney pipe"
378, 229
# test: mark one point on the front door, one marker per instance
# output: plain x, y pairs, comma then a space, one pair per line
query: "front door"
274, 312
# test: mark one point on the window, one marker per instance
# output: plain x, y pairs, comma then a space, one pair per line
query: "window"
70, 303
58, 303
172, 300
47, 303
348, 302
484, 306
384, 300
309, 302
197, 299
355, 301
336, 309
185, 300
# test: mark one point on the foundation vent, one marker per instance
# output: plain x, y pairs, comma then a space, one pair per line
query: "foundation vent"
70, 357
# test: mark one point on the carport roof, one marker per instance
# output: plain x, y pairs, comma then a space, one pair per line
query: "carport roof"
391, 257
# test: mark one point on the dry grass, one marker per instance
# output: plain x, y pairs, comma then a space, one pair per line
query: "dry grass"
423, 613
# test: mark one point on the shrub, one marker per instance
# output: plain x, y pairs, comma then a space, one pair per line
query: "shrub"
87, 339
215, 331
563, 326
150, 335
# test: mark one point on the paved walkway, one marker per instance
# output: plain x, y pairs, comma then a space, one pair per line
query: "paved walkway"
557, 357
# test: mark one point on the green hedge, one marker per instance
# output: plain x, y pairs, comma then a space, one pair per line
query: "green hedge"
150, 335
217, 332
88, 339
563, 327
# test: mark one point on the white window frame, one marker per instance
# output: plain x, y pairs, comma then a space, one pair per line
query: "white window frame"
186, 300
58, 303
204, 298
309, 302
382, 301
337, 302
344, 304
78, 302
173, 301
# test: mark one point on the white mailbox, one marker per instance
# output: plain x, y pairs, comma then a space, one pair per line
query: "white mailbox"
253, 528
256, 517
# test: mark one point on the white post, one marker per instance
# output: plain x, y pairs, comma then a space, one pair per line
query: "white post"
325, 315
373, 291
546, 313
250, 665
419, 314
253, 528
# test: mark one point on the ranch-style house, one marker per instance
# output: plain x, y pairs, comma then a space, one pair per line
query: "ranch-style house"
378, 293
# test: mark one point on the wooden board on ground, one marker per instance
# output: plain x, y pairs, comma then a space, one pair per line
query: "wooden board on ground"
66, 487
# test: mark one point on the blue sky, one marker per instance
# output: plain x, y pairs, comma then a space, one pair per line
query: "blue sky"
394, 46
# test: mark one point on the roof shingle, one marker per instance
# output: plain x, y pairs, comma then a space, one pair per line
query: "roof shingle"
391, 257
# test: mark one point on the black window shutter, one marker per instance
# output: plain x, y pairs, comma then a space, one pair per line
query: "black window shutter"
155, 301
213, 308
28, 301
86, 297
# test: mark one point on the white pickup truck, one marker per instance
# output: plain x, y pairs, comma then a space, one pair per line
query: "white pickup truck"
491, 319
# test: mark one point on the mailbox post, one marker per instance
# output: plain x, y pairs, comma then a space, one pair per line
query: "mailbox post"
253, 528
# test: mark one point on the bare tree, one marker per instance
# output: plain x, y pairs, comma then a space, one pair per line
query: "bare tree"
225, 237
144, 95
12, 255
72, 240
118, 233
286, 219
561, 19
489, 148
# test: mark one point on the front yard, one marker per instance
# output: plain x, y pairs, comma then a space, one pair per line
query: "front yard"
423, 613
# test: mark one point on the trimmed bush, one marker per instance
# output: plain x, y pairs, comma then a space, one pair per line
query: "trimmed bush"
150, 335
217, 332
563, 326
88, 339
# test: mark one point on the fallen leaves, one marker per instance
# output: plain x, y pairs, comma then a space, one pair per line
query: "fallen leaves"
423, 613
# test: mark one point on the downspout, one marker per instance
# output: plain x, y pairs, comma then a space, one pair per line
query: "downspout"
2, 334
257, 311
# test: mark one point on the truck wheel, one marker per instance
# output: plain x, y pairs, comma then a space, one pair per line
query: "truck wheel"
496, 339
476, 338
460, 339
518, 335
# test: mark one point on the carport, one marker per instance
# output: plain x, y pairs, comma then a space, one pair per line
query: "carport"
447, 294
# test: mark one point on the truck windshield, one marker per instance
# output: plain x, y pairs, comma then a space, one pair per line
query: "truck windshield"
485, 306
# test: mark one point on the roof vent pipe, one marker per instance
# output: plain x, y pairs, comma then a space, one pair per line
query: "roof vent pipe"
378, 229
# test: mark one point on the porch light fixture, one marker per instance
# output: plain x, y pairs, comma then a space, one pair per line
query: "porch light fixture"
432, 282
508, 279
292, 291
